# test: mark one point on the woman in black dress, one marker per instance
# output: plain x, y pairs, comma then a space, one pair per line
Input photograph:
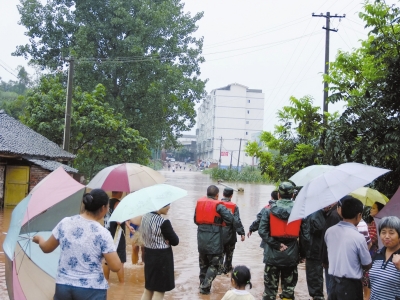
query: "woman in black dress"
158, 237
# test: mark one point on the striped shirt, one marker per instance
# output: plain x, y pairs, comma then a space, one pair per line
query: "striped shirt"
384, 278
151, 231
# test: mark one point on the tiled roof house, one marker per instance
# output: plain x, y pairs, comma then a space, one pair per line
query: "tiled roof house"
26, 157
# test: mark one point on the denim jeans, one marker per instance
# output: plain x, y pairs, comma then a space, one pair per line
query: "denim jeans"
68, 292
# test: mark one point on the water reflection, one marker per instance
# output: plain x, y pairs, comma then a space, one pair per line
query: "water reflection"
249, 253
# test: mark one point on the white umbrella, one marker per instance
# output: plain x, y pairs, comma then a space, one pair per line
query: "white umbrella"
304, 176
331, 186
146, 200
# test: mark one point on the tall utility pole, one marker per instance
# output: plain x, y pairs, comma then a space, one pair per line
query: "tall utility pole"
328, 29
67, 127
230, 166
220, 149
240, 146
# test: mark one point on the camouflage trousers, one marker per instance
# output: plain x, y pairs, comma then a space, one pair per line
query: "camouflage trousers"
209, 264
288, 276
315, 279
226, 266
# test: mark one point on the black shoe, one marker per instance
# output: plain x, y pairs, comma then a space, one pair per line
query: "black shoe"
204, 292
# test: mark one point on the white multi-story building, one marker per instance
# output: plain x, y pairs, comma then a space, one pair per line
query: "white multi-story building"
227, 119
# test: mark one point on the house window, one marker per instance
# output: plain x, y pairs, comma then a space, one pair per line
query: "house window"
248, 101
248, 111
247, 133
247, 122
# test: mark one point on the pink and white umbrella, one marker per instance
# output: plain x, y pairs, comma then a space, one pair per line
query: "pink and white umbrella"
126, 177
30, 273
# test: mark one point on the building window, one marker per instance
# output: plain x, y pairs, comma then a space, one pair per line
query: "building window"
248, 101
248, 111
247, 133
247, 122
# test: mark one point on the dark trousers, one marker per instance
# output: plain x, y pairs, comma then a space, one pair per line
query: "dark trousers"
209, 265
328, 281
315, 279
345, 289
288, 276
226, 261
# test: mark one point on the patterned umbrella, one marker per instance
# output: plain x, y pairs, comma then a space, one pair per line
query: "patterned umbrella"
126, 177
30, 273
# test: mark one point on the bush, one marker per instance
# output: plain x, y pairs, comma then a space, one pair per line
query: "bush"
244, 175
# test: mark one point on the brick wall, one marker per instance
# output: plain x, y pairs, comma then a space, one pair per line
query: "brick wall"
36, 175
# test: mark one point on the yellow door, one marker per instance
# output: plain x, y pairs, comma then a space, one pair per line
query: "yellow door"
16, 187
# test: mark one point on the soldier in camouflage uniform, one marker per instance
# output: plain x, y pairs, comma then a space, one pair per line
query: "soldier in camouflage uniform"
229, 235
311, 237
209, 242
281, 254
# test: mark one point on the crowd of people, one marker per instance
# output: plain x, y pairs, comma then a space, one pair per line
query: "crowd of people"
360, 259
335, 239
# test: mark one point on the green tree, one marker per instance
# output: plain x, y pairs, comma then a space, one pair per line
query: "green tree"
368, 79
11, 91
253, 149
141, 51
99, 136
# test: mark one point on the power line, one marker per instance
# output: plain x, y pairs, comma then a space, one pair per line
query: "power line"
315, 33
158, 57
262, 32
9, 71
287, 63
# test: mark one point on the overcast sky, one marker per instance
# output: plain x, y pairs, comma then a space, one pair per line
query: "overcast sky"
276, 46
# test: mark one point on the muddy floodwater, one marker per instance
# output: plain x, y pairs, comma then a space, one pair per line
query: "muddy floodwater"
250, 202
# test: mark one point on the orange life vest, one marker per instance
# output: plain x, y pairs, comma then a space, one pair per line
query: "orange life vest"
206, 211
230, 206
281, 228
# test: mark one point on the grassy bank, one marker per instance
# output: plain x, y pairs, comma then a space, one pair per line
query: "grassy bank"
245, 175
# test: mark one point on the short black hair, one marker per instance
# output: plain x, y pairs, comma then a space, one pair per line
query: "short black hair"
241, 275
228, 192
351, 207
212, 191
274, 195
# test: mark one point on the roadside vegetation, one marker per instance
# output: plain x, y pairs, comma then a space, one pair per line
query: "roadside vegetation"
247, 174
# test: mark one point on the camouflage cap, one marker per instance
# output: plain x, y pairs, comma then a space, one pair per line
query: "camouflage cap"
286, 188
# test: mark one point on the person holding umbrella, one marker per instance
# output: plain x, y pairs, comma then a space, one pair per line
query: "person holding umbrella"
158, 236
83, 243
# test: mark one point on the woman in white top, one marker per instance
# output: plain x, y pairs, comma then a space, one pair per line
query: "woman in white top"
83, 242
240, 278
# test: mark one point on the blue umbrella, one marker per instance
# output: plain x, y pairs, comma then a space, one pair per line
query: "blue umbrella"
146, 200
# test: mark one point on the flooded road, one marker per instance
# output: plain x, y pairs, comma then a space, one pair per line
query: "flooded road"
250, 202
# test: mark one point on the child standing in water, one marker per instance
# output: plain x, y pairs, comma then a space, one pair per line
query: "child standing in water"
240, 277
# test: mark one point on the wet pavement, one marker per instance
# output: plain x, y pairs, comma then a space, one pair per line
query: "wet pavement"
250, 202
